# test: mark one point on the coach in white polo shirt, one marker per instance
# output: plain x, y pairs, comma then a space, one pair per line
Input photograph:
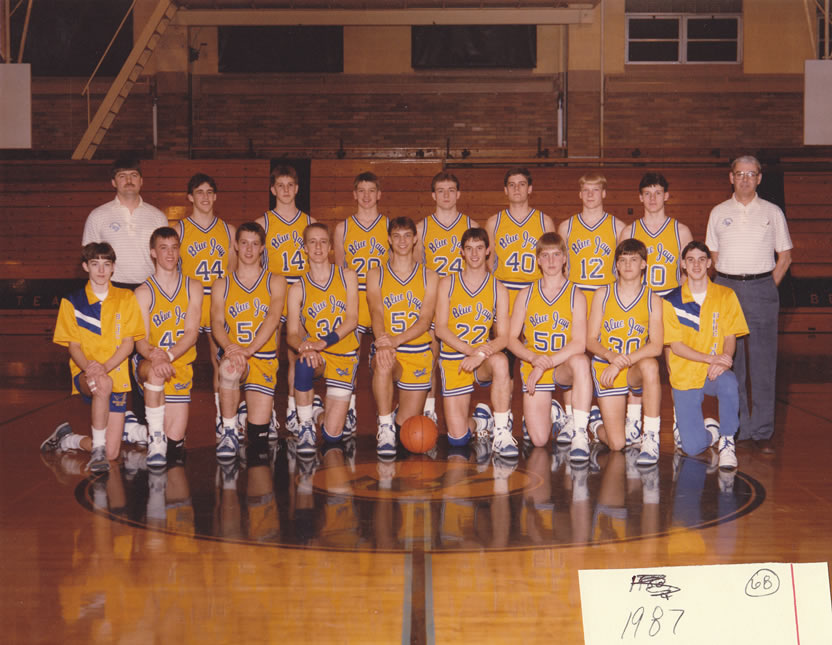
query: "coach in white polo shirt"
126, 223
751, 248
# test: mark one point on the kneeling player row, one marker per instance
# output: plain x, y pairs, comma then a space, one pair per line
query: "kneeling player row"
547, 330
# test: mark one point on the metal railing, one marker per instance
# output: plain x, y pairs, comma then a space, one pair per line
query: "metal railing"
86, 90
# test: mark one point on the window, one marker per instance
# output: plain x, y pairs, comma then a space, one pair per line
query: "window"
684, 31
281, 49
473, 46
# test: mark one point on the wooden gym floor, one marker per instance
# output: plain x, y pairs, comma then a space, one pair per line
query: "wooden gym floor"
346, 549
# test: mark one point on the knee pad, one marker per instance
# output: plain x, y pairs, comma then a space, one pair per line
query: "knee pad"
153, 388
337, 393
304, 376
229, 377
257, 431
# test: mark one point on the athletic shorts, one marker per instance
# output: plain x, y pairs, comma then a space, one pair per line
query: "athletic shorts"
546, 383
340, 370
118, 400
454, 381
620, 386
261, 375
178, 388
417, 366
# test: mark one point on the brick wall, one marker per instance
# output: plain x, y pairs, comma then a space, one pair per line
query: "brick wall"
495, 115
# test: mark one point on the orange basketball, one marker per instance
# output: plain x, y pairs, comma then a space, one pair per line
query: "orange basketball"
418, 434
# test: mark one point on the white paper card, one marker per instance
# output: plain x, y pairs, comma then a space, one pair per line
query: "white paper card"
706, 605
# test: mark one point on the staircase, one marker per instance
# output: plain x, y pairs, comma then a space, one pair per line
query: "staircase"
130, 72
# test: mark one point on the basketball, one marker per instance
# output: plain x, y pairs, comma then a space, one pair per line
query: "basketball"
418, 434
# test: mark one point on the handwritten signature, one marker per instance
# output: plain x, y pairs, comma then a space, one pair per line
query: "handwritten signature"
654, 584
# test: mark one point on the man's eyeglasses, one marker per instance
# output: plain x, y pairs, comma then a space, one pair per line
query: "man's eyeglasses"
746, 174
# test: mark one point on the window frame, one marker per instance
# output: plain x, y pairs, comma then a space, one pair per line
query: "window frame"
683, 38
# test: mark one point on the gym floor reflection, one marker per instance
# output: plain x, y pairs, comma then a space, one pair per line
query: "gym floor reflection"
346, 499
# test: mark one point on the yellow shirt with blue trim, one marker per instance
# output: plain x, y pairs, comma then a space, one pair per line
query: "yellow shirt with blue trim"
365, 247
100, 327
663, 251
284, 243
591, 251
204, 251
167, 316
514, 245
471, 313
547, 326
443, 244
323, 308
703, 328
246, 309
401, 301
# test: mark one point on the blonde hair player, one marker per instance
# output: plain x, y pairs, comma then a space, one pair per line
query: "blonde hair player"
551, 316
591, 237
323, 314
360, 243
286, 254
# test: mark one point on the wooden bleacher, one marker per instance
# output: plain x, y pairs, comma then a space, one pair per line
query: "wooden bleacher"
44, 205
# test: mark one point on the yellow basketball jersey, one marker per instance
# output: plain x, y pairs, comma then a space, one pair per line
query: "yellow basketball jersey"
591, 251
246, 309
624, 328
443, 244
167, 316
514, 246
365, 248
402, 301
548, 323
204, 251
322, 309
284, 243
470, 312
663, 251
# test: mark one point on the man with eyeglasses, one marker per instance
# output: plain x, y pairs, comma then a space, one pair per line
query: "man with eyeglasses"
751, 248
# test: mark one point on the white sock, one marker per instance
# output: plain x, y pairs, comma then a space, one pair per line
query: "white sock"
652, 424
501, 419
71, 442
304, 413
99, 437
155, 419
217, 403
352, 402
568, 410
290, 404
229, 422
634, 411
581, 419
385, 418
430, 404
